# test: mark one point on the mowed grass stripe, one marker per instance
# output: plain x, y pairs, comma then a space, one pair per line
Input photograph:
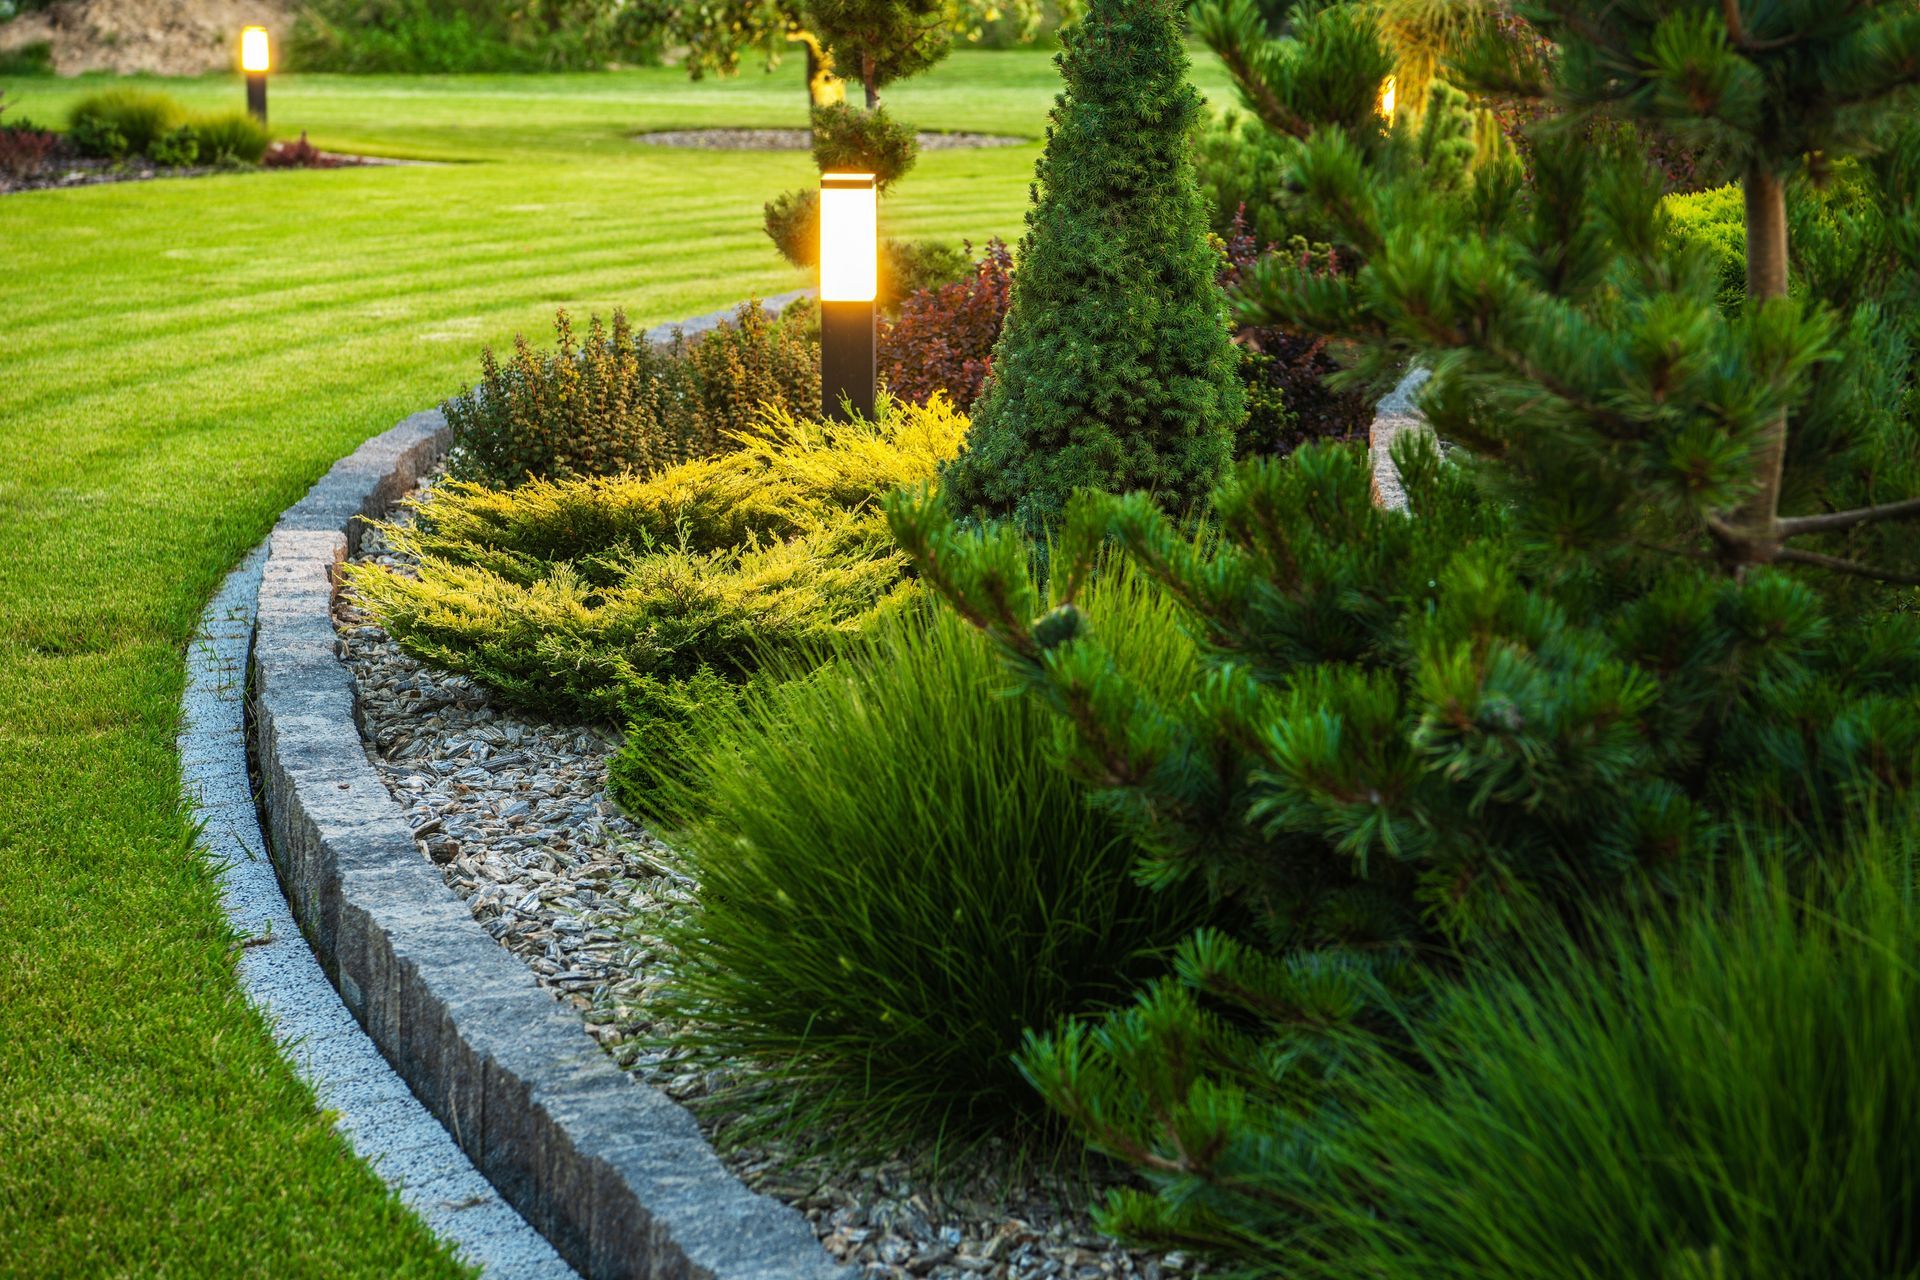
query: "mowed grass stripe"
184, 358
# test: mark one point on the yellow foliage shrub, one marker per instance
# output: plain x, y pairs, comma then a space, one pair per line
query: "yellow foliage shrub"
587, 596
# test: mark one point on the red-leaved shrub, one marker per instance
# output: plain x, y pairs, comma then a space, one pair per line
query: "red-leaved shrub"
1284, 374
943, 339
301, 155
24, 149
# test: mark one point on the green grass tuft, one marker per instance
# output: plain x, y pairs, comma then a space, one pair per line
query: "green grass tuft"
897, 881
1727, 1094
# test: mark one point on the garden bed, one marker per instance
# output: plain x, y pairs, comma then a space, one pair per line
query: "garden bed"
514, 811
67, 170
802, 139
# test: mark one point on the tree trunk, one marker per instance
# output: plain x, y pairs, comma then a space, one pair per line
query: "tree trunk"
1766, 279
824, 88
866, 79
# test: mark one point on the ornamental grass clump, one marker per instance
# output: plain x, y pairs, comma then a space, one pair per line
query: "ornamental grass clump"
590, 597
116, 123
896, 883
1725, 1093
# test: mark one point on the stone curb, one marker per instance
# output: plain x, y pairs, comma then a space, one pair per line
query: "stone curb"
371, 1106
663, 333
1396, 413
616, 1175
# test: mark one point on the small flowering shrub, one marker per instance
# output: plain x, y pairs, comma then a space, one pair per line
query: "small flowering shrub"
737, 369
611, 405
943, 340
24, 150
617, 403
301, 155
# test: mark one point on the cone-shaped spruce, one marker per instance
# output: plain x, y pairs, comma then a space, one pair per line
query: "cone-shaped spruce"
1115, 369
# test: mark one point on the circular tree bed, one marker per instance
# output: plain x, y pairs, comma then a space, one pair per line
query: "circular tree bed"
801, 139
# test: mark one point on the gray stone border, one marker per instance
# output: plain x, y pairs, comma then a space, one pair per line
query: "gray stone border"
371, 1106
1396, 413
616, 1175
714, 319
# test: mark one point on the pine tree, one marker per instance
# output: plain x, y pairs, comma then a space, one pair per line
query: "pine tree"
1570, 340
1115, 369
1335, 73
1591, 651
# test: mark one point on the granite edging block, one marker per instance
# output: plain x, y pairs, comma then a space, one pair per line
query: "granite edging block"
614, 1173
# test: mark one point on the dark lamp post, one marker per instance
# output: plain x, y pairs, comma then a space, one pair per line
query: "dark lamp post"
849, 279
253, 61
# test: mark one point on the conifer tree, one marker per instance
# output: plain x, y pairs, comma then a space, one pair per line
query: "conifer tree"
1311, 72
1605, 634
1115, 369
1568, 340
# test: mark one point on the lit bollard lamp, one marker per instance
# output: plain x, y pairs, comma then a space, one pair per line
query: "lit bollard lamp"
253, 61
849, 278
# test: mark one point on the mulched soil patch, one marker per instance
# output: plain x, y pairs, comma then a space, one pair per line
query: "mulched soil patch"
65, 168
801, 139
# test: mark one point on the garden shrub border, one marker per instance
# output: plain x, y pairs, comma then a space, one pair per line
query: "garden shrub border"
613, 1173
616, 1175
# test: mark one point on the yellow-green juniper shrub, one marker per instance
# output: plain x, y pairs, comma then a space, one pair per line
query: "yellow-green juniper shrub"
591, 597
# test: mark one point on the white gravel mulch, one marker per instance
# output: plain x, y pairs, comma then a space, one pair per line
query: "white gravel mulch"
515, 812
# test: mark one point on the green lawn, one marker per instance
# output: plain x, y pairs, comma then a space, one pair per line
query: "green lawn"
181, 360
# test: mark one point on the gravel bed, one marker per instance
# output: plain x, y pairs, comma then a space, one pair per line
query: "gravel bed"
515, 812
88, 171
802, 139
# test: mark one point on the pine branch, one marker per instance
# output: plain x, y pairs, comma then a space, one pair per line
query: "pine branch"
1224, 29
1793, 526
1794, 555
1737, 31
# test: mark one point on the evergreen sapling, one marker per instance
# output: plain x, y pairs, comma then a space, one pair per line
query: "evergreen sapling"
1115, 369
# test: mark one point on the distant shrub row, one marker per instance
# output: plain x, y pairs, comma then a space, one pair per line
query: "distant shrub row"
121, 123
414, 36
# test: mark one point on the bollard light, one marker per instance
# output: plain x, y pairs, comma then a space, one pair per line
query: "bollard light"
1387, 95
849, 280
253, 61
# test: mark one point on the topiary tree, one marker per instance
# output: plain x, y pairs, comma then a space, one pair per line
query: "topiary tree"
881, 41
1115, 369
